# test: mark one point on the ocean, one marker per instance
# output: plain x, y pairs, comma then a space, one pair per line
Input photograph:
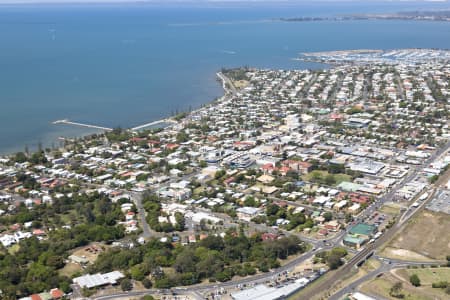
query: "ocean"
125, 65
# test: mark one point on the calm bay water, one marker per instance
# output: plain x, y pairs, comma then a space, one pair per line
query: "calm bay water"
124, 65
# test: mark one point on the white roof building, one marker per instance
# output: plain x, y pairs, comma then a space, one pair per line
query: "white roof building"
197, 217
262, 292
95, 280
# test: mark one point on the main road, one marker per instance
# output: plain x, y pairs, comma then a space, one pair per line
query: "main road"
383, 268
259, 278
308, 293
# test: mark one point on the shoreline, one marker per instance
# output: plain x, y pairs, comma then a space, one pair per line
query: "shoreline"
145, 126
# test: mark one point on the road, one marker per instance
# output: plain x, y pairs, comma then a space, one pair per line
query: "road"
227, 84
393, 264
352, 287
325, 284
259, 278
308, 293
147, 232
307, 87
400, 90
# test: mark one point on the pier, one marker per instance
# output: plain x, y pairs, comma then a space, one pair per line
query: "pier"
153, 124
68, 122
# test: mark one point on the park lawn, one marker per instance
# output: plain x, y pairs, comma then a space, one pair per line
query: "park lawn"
342, 177
425, 237
338, 178
310, 188
378, 286
239, 84
13, 249
70, 269
71, 217
427, 276
391, 209
199, 190
370, 265
382, 285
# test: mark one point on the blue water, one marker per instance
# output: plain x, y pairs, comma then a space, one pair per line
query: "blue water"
124, 65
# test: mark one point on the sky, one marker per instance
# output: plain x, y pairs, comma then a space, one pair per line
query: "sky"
212, 2
200, 1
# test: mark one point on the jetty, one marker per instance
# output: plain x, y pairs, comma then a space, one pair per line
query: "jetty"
68, 122
153, 124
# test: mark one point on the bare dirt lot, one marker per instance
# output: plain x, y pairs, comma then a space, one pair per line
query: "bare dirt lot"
425, 238
90, 252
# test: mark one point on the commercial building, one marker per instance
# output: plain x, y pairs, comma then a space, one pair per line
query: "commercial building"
96, 280
359, 235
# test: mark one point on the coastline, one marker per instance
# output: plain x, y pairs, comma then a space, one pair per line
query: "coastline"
149, 91
166, 122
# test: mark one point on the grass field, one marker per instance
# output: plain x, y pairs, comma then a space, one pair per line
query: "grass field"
13, 249
70, 269
319, 176
392, 209
426, 237
382, 285
239, 84
427, 275
199, 190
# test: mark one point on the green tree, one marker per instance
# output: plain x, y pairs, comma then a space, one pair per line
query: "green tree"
414, 279
272, 209
434, 178
334, 261
20, 157
126, 285
330, 180
185, 262
396, 290
147, 283
440, 285
250, 201
219, 174
328, 216
137, 273
182, 137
